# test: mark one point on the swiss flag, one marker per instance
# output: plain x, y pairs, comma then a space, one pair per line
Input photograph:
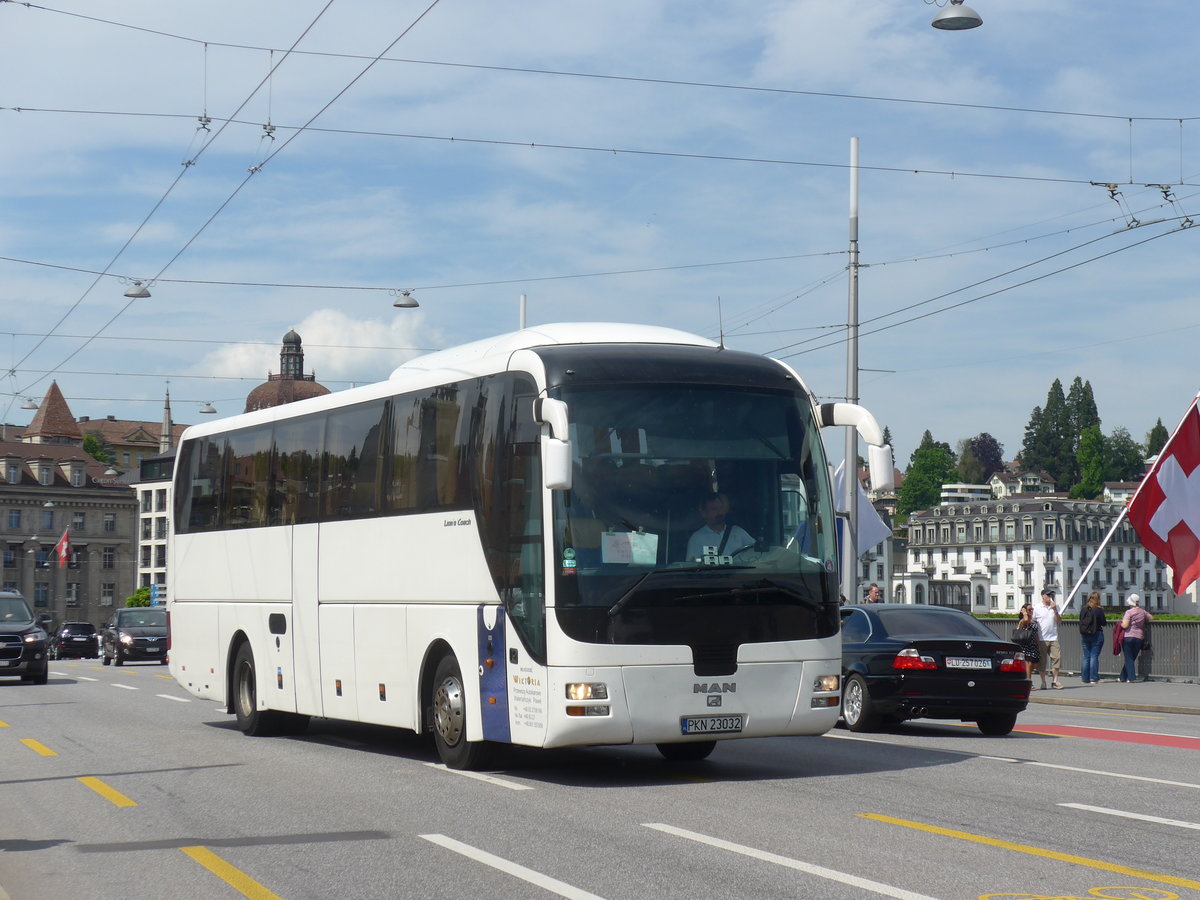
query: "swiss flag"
63, 548
1165, 511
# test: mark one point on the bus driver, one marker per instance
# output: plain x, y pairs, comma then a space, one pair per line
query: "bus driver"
727, 538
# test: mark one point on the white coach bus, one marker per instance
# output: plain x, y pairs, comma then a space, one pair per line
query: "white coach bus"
493, 545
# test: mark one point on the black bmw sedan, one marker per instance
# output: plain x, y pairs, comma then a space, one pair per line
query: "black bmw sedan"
902, 661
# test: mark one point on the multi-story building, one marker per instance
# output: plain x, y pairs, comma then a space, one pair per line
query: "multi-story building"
51, 489
997, 554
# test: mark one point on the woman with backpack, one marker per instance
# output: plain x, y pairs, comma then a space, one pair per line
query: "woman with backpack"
1091, 633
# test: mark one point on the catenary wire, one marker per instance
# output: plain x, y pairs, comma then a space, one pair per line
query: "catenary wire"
525, 70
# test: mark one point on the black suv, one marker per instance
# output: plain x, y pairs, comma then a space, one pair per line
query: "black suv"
75, 639
22, 641
136, 632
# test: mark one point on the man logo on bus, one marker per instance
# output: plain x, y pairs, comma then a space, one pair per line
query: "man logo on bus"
723, 687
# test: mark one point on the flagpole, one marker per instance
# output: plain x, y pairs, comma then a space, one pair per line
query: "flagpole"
1095, 556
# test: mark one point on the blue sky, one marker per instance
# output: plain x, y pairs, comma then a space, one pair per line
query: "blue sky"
649, 161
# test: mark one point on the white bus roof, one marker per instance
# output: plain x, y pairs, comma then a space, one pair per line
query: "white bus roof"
468, 356
468, 360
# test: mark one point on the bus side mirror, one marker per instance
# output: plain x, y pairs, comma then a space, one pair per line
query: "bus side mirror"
556, 446
879, 461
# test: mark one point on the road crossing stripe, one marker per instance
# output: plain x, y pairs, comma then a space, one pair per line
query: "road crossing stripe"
1158, 820
876, 887
511, 868
232, 876
479, 776
112, 795
38, 747
1037, 851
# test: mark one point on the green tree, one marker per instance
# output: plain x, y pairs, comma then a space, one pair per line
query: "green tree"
927, 443
140, 597
97, 448
1092, 455
1124, 459
931, 467
969, 469
1156, 439
887, 437
1082, 414
1048, 446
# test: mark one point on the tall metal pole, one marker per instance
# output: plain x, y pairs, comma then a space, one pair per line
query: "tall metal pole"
850, 466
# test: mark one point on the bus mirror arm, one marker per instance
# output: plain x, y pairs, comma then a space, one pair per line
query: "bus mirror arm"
879, 458
556, 447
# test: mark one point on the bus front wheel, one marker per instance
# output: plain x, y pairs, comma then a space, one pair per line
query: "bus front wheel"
450, 720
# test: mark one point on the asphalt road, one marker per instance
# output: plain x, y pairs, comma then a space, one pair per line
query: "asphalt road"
117, 784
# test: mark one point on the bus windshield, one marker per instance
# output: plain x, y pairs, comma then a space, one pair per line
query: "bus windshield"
693, 494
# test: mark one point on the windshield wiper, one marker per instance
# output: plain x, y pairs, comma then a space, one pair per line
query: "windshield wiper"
625, 598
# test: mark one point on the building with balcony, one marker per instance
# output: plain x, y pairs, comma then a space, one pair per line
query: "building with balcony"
999, 554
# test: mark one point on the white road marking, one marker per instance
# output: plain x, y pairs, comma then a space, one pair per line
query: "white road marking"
1092, 772
176, 699
479, 776
85, 678
124, 687
1129, 815
855, 881
511, 868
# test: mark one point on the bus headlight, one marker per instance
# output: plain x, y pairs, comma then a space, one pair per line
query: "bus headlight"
826, 683
586, 691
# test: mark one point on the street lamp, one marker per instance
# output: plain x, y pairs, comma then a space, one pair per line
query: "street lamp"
405, 300
956, 17
138, 291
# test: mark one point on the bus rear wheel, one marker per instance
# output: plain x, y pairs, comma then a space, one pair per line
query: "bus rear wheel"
250, 719
450, 720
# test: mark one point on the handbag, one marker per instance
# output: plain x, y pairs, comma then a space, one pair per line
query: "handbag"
1021, 635
1118, 637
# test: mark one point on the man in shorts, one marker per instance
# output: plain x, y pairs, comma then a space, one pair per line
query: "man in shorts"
1048, 619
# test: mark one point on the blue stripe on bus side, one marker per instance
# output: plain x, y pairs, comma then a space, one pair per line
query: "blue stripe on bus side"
493, 680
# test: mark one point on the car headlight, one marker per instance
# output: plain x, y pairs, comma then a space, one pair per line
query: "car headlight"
35, 637
125, 637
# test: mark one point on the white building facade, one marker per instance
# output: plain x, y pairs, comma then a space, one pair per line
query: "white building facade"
996, 555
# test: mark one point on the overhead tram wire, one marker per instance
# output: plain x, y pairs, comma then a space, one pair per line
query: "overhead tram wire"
672, 82
1002, 290
253, 169
179, 177
608, 151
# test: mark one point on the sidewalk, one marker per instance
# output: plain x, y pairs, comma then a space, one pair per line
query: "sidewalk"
1144, 696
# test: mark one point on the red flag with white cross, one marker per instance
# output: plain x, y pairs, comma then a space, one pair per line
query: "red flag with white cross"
63, 548
1165, 511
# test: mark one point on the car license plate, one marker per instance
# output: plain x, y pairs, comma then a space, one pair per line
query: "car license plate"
959, 662
153, 649
710, 724
79, 639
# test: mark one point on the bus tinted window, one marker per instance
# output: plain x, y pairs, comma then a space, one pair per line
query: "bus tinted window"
247, 492
354, 439
297, 448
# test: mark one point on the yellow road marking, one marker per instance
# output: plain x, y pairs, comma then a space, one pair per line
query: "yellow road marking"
112, 795
38, 747
1037, 851
3, 724
232, 876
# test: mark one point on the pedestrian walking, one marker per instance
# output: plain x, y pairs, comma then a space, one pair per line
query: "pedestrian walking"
1134, 623
1091, 633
